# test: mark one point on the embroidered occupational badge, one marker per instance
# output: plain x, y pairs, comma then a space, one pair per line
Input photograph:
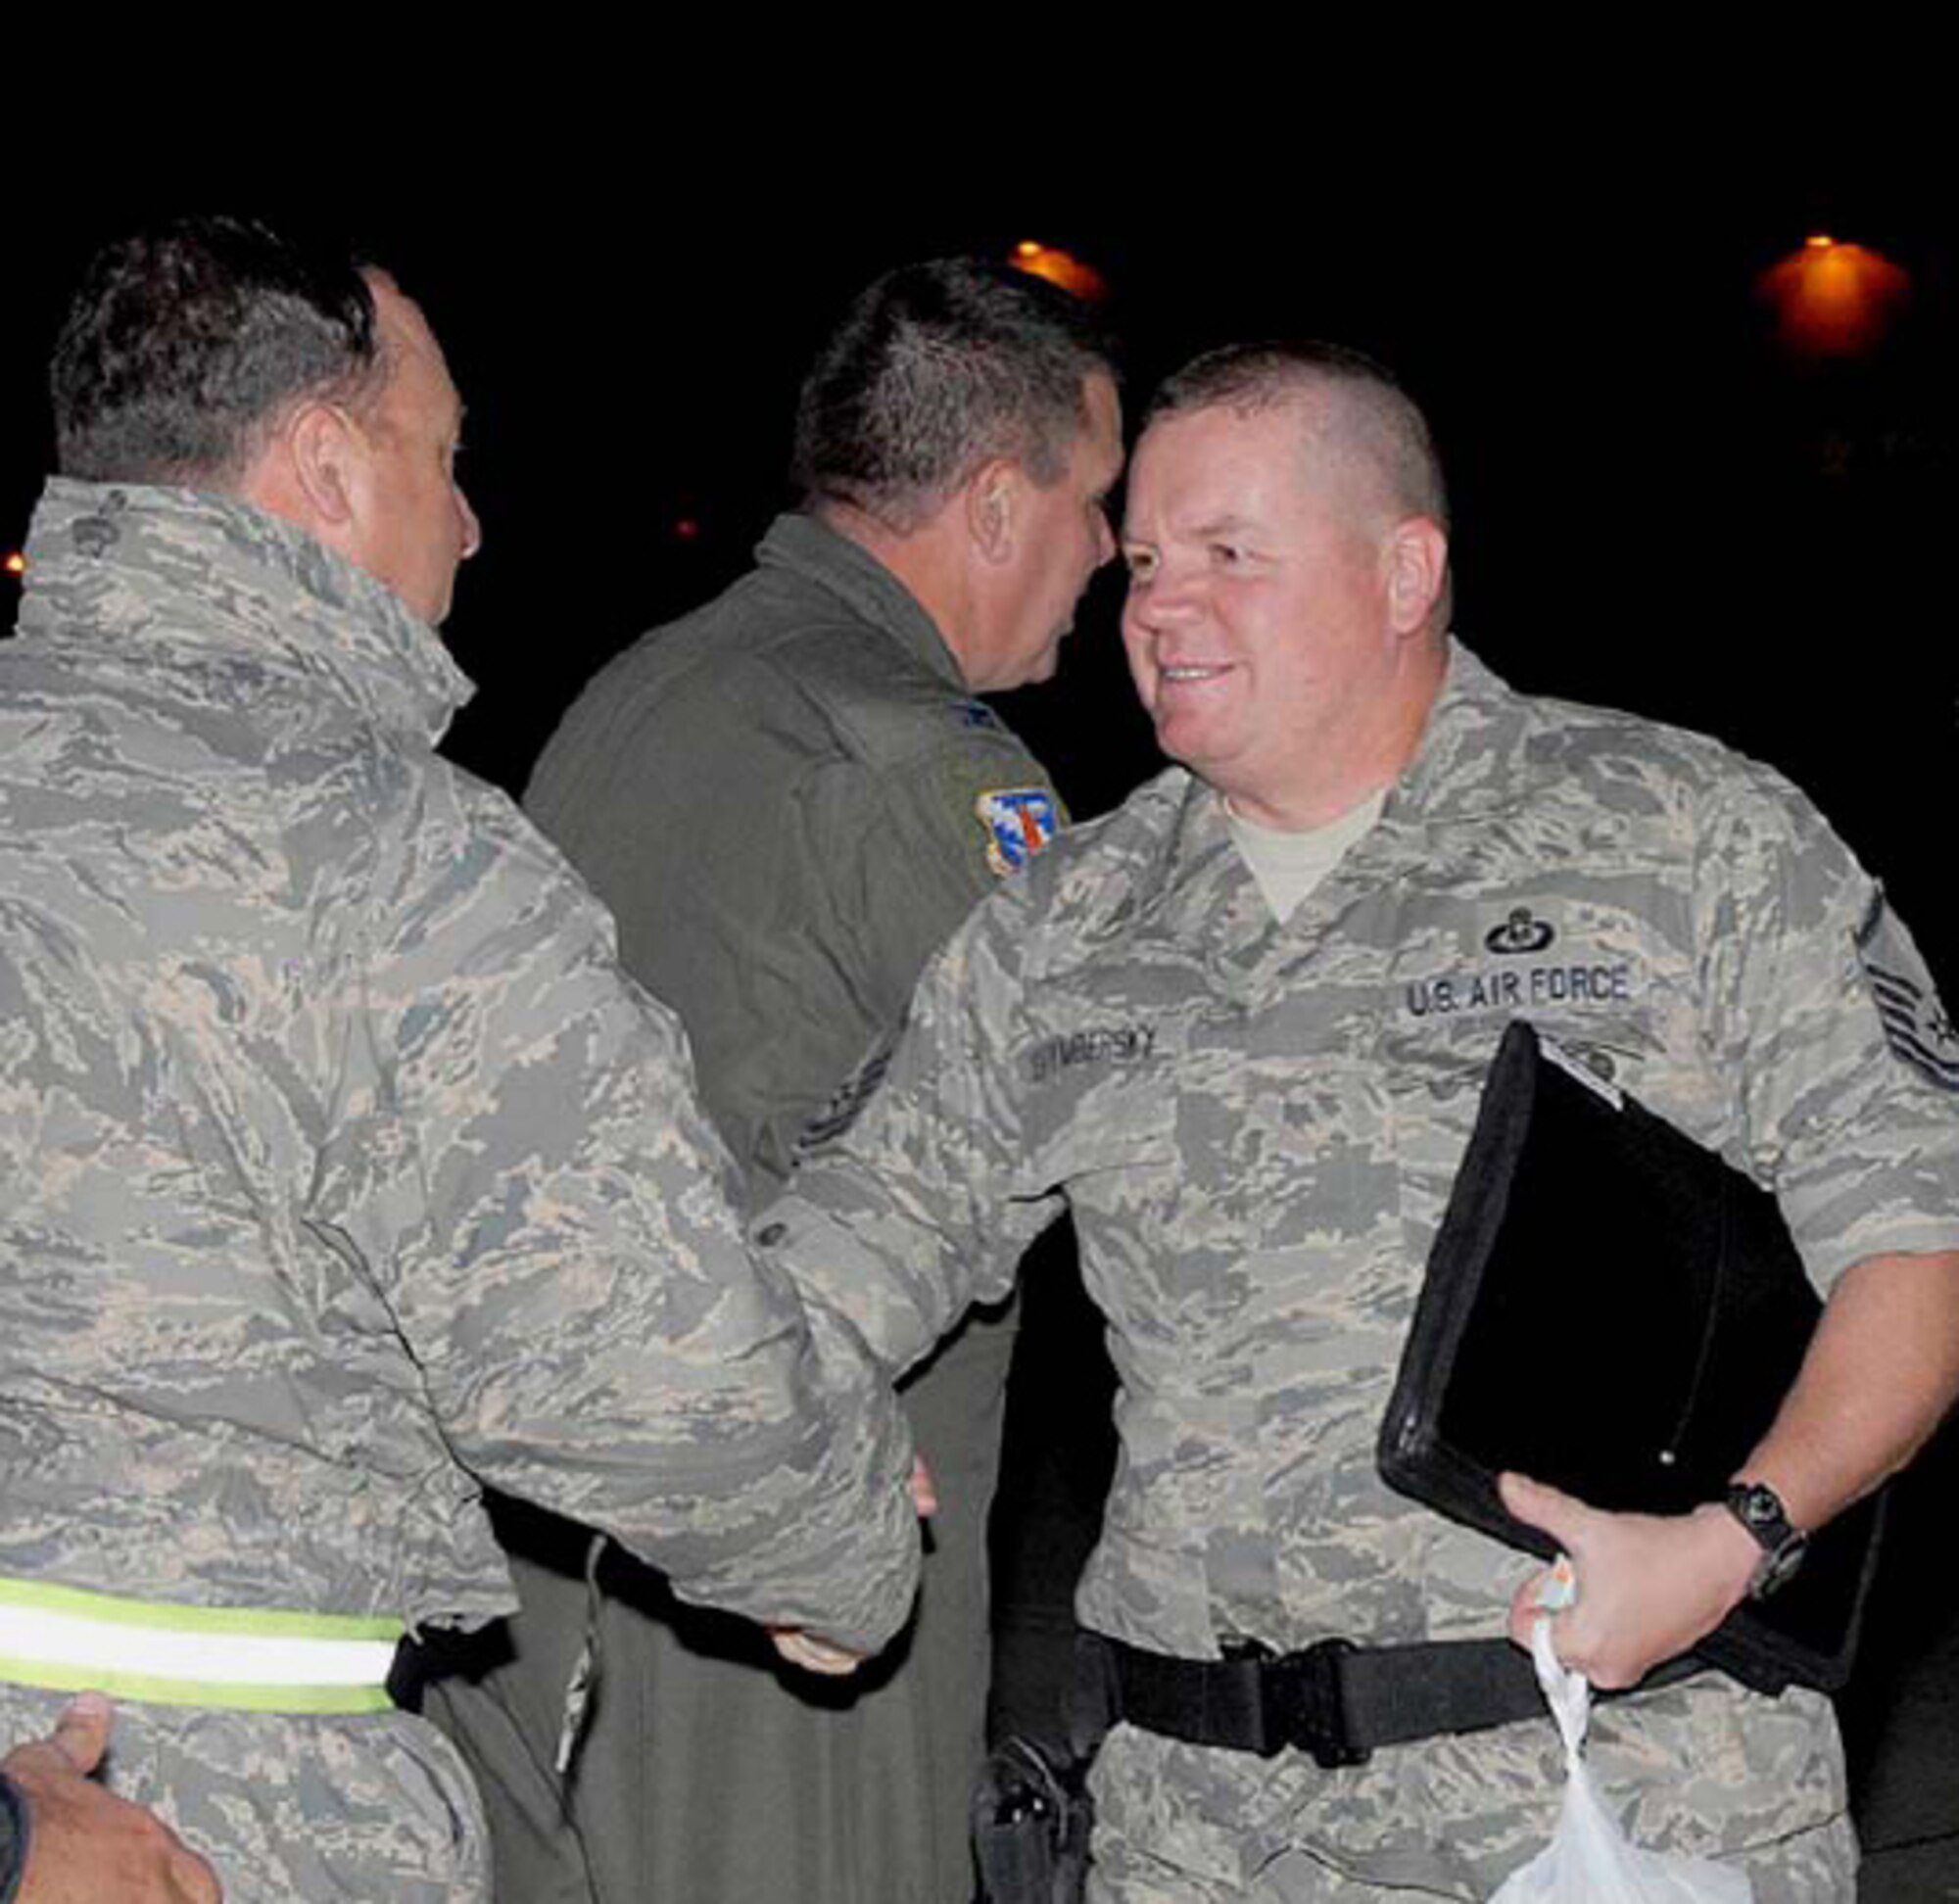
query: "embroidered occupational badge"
1917, 1026
1521, 932
1019, 821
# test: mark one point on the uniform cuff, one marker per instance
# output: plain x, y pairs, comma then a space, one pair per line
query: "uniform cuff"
13, 1834
828, 1264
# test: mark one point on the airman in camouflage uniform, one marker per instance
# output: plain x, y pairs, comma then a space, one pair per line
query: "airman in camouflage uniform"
1254, 1110
342, 1169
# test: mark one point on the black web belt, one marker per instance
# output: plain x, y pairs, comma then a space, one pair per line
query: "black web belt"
1334, 1700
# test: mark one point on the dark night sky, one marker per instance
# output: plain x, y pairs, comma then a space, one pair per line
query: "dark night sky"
1656, 507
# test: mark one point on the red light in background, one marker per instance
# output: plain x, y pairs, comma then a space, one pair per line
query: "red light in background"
1060, 267
16, 564
1834, 299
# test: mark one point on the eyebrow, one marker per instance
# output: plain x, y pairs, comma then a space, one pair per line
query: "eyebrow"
1223, 524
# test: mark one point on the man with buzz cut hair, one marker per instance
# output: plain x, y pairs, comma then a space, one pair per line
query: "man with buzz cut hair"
342, 1170
1206, 1026
788, 798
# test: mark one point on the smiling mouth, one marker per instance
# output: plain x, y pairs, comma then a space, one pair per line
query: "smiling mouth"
1177, 677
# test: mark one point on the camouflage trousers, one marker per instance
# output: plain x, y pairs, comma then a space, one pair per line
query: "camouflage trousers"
1702, 1767
375, 1807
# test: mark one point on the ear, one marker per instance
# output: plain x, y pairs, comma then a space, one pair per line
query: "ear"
1417, 561
327, 457
991, 503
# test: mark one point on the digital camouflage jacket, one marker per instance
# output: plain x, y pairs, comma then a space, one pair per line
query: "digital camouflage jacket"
340, 1168
1256, 1124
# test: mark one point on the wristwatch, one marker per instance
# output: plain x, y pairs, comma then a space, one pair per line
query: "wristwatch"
1758, 1507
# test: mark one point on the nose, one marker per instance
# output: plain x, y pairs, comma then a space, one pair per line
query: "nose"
473, 530
1158, 599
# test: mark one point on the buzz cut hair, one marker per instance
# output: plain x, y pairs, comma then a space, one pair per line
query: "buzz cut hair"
935, 370
185, 344
1375, 418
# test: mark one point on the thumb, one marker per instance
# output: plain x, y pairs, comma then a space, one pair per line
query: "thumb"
81, 1734
1561, 1515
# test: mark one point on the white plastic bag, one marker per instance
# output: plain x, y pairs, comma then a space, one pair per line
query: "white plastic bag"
1588, 1859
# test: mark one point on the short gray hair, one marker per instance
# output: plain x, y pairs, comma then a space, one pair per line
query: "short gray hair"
1378, 419
935, 368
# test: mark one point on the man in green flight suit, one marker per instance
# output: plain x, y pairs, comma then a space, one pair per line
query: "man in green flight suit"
788, 799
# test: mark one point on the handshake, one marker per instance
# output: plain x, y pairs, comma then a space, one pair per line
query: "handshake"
813, 1656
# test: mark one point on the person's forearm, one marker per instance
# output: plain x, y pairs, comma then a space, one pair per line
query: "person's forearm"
1880, 1376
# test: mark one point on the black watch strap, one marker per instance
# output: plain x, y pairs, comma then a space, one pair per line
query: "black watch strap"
1759, 1510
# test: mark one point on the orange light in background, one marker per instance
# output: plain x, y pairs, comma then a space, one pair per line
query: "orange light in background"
1834, 299
16, 564
1060, 267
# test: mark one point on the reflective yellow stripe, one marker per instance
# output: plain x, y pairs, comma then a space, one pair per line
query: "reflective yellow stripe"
67, 1639
146, 1691
115, 1609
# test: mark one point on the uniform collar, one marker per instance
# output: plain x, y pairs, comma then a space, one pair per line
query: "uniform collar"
1203, 893
1206, 895
154, 580
1466, 760
816, 553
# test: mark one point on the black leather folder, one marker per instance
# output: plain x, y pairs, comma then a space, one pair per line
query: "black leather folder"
1611, 1307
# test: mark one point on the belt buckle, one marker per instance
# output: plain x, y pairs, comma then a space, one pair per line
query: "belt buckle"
1301, 1705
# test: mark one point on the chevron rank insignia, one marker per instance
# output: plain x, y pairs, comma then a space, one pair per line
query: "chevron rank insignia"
1917, 1026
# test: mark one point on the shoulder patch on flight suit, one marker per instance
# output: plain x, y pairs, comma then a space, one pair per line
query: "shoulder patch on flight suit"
1019, 821
1917, 1026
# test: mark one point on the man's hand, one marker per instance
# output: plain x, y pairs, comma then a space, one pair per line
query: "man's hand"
812, 1654
85, 1845
816, 1655
1648, 1586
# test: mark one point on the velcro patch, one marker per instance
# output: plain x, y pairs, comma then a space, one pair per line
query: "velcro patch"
1917, 1026
1019, 821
